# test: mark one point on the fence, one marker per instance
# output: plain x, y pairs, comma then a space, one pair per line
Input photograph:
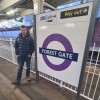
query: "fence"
91, 83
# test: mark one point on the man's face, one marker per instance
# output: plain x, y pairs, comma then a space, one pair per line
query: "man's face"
23, 31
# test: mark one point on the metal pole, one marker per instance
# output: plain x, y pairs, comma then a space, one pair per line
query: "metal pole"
35, 38
38, 4
15, 13
88, 42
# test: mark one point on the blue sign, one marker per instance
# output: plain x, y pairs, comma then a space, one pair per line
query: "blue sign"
59, 54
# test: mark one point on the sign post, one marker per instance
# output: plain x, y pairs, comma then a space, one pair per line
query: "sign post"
38, 8
88, 42
36, 69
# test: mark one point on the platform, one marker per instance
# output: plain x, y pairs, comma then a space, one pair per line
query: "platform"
44, 90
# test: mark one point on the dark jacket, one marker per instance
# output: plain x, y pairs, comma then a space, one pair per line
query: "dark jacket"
24, 45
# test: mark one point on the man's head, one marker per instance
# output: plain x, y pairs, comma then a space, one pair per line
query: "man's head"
23, 30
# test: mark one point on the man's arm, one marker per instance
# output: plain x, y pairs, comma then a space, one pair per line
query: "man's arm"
16, 46
31, 46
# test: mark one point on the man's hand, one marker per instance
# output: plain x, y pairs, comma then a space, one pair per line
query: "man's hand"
29, 55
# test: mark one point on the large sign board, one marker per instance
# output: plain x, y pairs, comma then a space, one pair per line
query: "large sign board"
61, 41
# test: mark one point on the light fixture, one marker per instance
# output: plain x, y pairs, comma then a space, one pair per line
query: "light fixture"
11, 12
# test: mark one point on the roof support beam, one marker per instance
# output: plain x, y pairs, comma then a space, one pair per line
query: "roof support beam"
50, 6
38, 6
26, 12
5, 4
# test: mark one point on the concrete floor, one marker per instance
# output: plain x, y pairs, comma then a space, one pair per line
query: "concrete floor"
44, 90
2, 96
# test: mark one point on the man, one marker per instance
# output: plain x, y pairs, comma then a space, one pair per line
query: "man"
24, 47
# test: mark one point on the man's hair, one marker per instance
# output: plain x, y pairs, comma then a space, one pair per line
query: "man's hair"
23, 26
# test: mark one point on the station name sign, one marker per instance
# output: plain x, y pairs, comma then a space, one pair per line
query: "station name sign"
59, 54
75, 12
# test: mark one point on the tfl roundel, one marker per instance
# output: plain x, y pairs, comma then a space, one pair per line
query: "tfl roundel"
68, 55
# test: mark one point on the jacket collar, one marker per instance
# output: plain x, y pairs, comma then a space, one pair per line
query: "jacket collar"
27, 35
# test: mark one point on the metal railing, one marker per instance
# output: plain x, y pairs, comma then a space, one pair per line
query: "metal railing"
91, 83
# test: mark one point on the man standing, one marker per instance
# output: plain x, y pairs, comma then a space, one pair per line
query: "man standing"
24, 47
